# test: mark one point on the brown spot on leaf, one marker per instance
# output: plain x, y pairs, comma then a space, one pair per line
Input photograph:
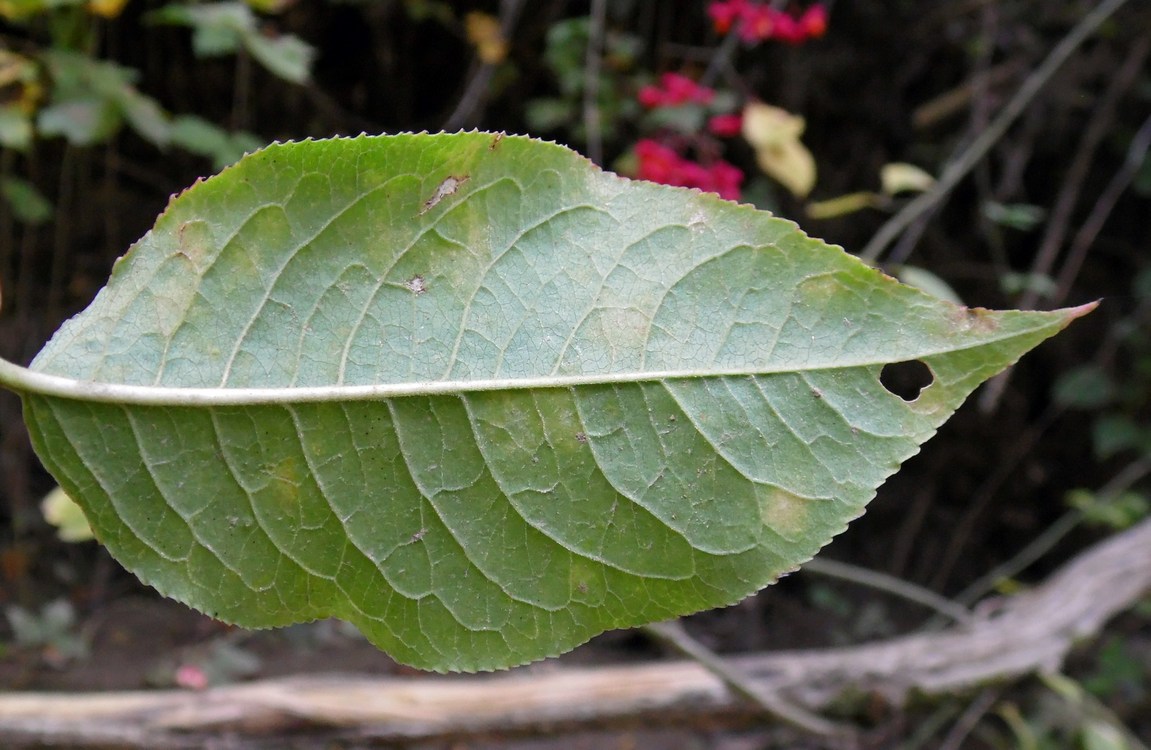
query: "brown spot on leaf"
416, 285
975, 319
448, 187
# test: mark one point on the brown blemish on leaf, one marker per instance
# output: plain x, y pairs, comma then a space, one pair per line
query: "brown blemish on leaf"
416, 285
975, 319
448, 187
581, 437
495, 142
193, 241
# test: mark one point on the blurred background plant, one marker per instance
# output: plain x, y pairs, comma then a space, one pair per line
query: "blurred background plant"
859, 120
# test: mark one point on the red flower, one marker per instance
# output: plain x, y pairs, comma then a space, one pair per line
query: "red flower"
726, 180
663, 164
657, 162
725, 126
814, 21
674, 89
758, 21
724, 14
650, 96
680, 89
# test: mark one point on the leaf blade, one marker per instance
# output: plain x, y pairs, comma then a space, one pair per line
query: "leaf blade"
488, 421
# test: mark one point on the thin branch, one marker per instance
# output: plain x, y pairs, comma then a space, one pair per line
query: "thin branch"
1046, 541
958, 169
1085, 237
965, 724
476, 93
673, 634
891, 585
1030, 632
1099, 127
591, 112
1049, 247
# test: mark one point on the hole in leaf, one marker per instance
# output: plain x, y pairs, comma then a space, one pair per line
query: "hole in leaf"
906, 379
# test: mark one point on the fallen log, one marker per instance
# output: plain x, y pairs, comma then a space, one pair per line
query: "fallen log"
1012, 637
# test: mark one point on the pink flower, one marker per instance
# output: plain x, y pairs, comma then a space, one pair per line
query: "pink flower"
726, 180
663, 164
758, 21
650, 96
724, 14
814, 21
674, 89
191, 676
725, 126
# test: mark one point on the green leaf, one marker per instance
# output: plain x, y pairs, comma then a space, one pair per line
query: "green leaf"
207, 139
286, 56
483, 399
91, 98
1087, 386
26, 202
15, 127
221, 28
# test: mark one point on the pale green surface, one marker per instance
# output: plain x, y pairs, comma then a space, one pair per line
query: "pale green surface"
488, 521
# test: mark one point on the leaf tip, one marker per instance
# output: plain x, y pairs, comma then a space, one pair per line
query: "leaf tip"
1072, 313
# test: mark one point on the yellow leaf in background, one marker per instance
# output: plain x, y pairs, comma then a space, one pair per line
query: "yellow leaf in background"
844, 204
484, 32
62, 512
106, 8
898, 177
18, 70
268, 6
18, 10
774, 134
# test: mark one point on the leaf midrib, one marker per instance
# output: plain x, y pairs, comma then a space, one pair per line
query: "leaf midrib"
27, 381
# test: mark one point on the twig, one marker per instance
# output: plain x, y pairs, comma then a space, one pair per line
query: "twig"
1098, 128
967, 721
591, 113
891, 585
1030, 632
721, 59
1007, 465
958, 169
1091, 707
1043, 543
1085, 237
477, 89
673, 634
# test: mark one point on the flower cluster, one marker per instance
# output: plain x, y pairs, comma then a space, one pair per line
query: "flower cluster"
758, 21
661, 163
674, 89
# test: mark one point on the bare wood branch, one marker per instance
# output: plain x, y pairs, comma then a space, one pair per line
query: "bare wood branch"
1024, 634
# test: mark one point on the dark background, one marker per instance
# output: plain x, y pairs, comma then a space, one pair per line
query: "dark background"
891, 81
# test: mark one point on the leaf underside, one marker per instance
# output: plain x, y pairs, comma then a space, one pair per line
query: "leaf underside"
518, 400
